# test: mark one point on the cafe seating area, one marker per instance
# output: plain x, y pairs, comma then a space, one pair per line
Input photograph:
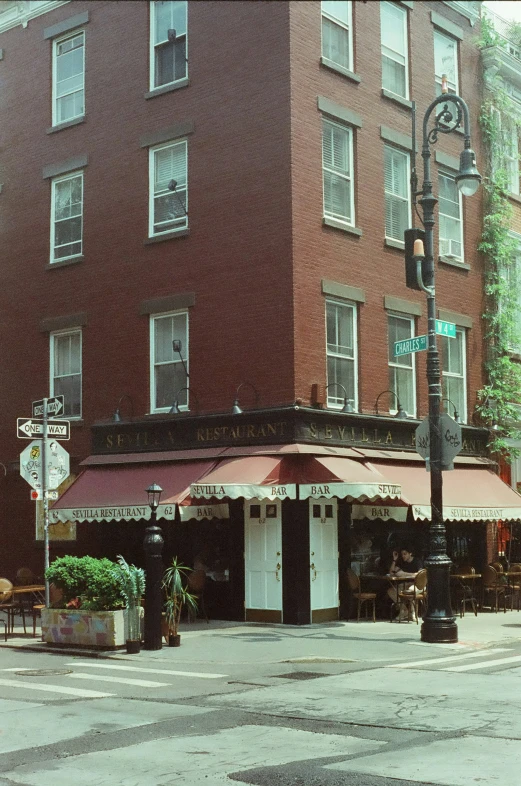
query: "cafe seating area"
18, 601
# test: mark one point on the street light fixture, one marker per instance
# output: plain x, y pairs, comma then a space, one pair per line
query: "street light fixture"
153, 546
401, 414
348, 402
439, 623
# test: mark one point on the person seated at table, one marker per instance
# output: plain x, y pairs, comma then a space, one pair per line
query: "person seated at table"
405, 566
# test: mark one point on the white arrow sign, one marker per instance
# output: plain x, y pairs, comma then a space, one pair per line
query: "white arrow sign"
54, 406
31, 427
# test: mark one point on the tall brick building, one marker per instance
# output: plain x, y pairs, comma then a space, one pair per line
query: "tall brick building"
205, 202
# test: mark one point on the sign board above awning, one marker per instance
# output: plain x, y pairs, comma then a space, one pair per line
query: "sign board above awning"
381, 512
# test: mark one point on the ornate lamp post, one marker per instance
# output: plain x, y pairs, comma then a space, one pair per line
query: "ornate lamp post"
153, 546
439, 624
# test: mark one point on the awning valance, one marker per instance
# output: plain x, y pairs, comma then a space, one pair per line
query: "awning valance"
119, 493
469, 494
251, 477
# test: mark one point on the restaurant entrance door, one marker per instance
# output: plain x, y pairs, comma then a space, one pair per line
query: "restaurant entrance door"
263, 560
323, 559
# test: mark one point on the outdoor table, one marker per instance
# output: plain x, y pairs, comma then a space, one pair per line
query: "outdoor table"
34, 592
465, 581
400, 582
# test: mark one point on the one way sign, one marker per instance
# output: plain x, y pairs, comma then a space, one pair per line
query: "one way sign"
54, 406
33, 427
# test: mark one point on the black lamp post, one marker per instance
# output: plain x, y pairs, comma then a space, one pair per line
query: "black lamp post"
153, 546
439, 623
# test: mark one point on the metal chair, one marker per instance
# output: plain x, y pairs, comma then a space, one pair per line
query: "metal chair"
515, 586
465, 592
361, 597
491, 585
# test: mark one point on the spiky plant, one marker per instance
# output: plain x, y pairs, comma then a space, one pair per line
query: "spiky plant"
131, 580
177, 594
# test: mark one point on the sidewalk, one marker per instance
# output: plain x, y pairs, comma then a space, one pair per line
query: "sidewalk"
222, 642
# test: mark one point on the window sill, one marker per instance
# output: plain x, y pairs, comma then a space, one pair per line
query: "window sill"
324, 61
159, 91
162, 413
332, 222
514, 197
166, 236
391, 243
65, 262
68, 124
453, 263
396, 98
514, 355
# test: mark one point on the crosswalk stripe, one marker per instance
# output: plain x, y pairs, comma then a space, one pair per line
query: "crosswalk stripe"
460, 656
121, 680
495, 662
146, 670
85, 694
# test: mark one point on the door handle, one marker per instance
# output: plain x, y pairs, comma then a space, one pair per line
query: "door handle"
312, 567
277, 571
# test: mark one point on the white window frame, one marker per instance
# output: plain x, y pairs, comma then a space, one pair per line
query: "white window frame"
399, 363
450, 255
54, 336
153, 46
348, 175
461, 335
512, 274
55, 45
453, 86
327, 15
399, 197
185, 351
176, 195
54, 183
335, 395
394, 54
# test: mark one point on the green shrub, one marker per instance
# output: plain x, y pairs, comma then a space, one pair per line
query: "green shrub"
90, 580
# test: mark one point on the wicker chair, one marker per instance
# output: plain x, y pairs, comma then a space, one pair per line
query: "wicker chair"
361, 597
416, 596
491, 585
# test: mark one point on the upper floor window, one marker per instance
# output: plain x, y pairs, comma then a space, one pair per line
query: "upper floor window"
168, 187
402, 374
168, 360
395, 66
450, 217
337, 166
337, 37
168, 27
512, 277
512, 158
68, 78
67, 217
446, 63
65, 367
397, 193
454, 376
341, 352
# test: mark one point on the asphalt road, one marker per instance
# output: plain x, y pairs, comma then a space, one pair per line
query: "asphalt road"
401, 714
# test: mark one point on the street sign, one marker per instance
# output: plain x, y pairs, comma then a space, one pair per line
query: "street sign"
52, 495
58, 467
31, 464
54, 406
408, 345
445, 328
33, 427
451, 440
57, 464
36, 494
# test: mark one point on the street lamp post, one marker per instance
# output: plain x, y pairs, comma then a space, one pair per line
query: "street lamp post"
439, 623
153, 546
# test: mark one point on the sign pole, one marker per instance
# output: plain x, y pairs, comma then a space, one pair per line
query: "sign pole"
45, 502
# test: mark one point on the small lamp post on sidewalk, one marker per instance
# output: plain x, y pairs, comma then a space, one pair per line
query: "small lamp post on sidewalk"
153, 546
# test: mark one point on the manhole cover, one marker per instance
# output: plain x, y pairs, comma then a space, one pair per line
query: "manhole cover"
300, 675
43, 672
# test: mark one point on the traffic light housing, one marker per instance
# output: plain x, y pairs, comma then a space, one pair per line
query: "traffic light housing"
411, 279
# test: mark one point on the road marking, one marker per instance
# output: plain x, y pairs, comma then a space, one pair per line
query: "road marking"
122, 680
496, 662
461, 656
202, 675
85, 694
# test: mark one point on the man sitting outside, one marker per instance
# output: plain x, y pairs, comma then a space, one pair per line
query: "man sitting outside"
404, 566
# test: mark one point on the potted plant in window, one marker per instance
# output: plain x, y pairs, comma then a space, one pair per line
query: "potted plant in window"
177, 596
131, 582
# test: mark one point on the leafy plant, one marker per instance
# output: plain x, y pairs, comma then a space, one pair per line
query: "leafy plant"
88, 579
131, 580
177, 595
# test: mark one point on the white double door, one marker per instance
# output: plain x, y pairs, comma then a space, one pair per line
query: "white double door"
263, 555
323, 556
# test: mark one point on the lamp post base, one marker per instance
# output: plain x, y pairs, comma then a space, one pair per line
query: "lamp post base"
441, 630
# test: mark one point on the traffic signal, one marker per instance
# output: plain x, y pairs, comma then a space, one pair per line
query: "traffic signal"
411, 279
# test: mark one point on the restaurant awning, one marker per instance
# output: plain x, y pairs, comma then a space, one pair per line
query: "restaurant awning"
119, 492
279, 477
469, 493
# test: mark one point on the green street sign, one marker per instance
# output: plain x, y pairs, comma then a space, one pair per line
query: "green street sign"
445, 328
414, 344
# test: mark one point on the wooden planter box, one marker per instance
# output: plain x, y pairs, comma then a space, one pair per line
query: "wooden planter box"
74, 627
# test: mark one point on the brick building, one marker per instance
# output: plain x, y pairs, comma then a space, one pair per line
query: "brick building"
208, 223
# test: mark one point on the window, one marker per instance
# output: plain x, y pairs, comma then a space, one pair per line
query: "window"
454, 382
401, 368
168, 206
512, 158
66, 370
68, 78
337, 44
168, 367
446, 62
168, 42
341, 352
393, 21
512, 303
451, 224
337, 157
67, 217
397, 198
